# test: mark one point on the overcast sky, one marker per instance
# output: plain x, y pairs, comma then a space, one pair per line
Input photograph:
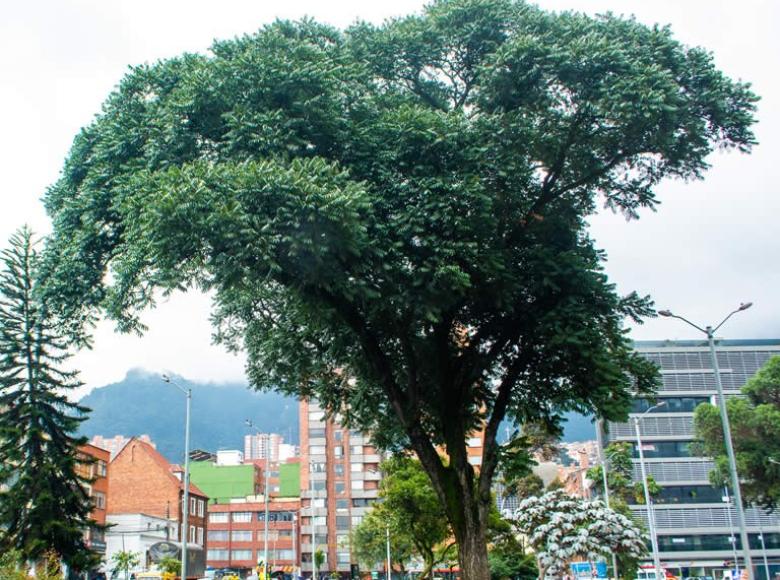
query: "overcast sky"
710, 245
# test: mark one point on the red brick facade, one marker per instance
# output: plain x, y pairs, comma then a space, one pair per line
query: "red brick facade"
95, 469
142, 481
236, 535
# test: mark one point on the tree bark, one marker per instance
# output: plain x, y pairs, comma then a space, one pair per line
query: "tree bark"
472, 551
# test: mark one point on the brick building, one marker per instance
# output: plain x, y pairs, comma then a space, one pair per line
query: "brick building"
142, 481
339, 481
236, 537
94, 467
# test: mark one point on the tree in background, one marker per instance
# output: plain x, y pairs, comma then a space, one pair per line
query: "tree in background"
561, 528
755, 429
393, 219
124, 561
410, 507
369, 540
44, 505
623, 490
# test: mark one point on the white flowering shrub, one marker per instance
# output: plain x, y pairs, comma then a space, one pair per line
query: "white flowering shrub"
561, 528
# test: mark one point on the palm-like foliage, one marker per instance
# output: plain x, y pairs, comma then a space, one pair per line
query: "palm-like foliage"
44, 505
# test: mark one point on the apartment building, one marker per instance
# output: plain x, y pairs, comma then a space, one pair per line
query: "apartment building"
144, 483
696, 528
262, 446
339, 481
115, 444
93, 466
236, 511
237, 538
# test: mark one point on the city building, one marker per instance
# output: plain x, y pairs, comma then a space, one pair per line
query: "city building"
114, 444
137, 532
93, 466
237, 539
236, 511
263, 446
696, 529
147, 490
339, 481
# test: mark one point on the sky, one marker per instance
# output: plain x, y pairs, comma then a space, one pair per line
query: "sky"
710, 245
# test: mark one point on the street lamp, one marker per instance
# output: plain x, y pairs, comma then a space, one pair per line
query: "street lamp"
603, 460
709, 331
186, 507
650, 515
265, 494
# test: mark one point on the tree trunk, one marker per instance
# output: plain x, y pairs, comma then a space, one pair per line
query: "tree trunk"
473, 554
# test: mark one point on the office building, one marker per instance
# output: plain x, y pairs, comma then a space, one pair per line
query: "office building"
697, 532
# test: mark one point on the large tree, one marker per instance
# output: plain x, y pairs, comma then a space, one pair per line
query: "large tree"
755, 429
393, 219
44, 504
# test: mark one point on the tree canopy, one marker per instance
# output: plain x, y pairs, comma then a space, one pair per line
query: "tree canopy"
755, 429
393, 219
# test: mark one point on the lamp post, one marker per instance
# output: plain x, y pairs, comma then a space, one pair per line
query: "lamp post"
732, 539
387, 540
650, 514
603, 460
185, 508
709, 331
265, 497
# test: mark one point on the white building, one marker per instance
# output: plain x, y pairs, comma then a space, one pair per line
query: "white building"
262, 446
136, 533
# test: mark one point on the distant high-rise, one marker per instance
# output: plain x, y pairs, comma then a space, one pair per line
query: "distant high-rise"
115, 444
262, 446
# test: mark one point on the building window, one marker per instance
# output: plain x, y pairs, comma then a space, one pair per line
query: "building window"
316, 450
474, 442
218, 517
357, 484
338, 450
317, 467
280, 554
356, 520
218, 535
242, 517
342, 522
343, 557
338, 435
316, 433
318, 485
356, 467
216, 554
241, 535
100, 500
320, 520
193, 506
199, 540
276, 516
356, 449
201, 507
316, 416
318, 502
338, 469
192, 534
342, 505
359, 502
242, 554
475, 460
101, 468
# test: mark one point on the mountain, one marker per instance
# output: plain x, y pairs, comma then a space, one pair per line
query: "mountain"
143, 403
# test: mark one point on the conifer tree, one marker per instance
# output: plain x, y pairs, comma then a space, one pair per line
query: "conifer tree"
44, 505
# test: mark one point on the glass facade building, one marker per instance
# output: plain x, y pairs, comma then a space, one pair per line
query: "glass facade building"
696, 528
